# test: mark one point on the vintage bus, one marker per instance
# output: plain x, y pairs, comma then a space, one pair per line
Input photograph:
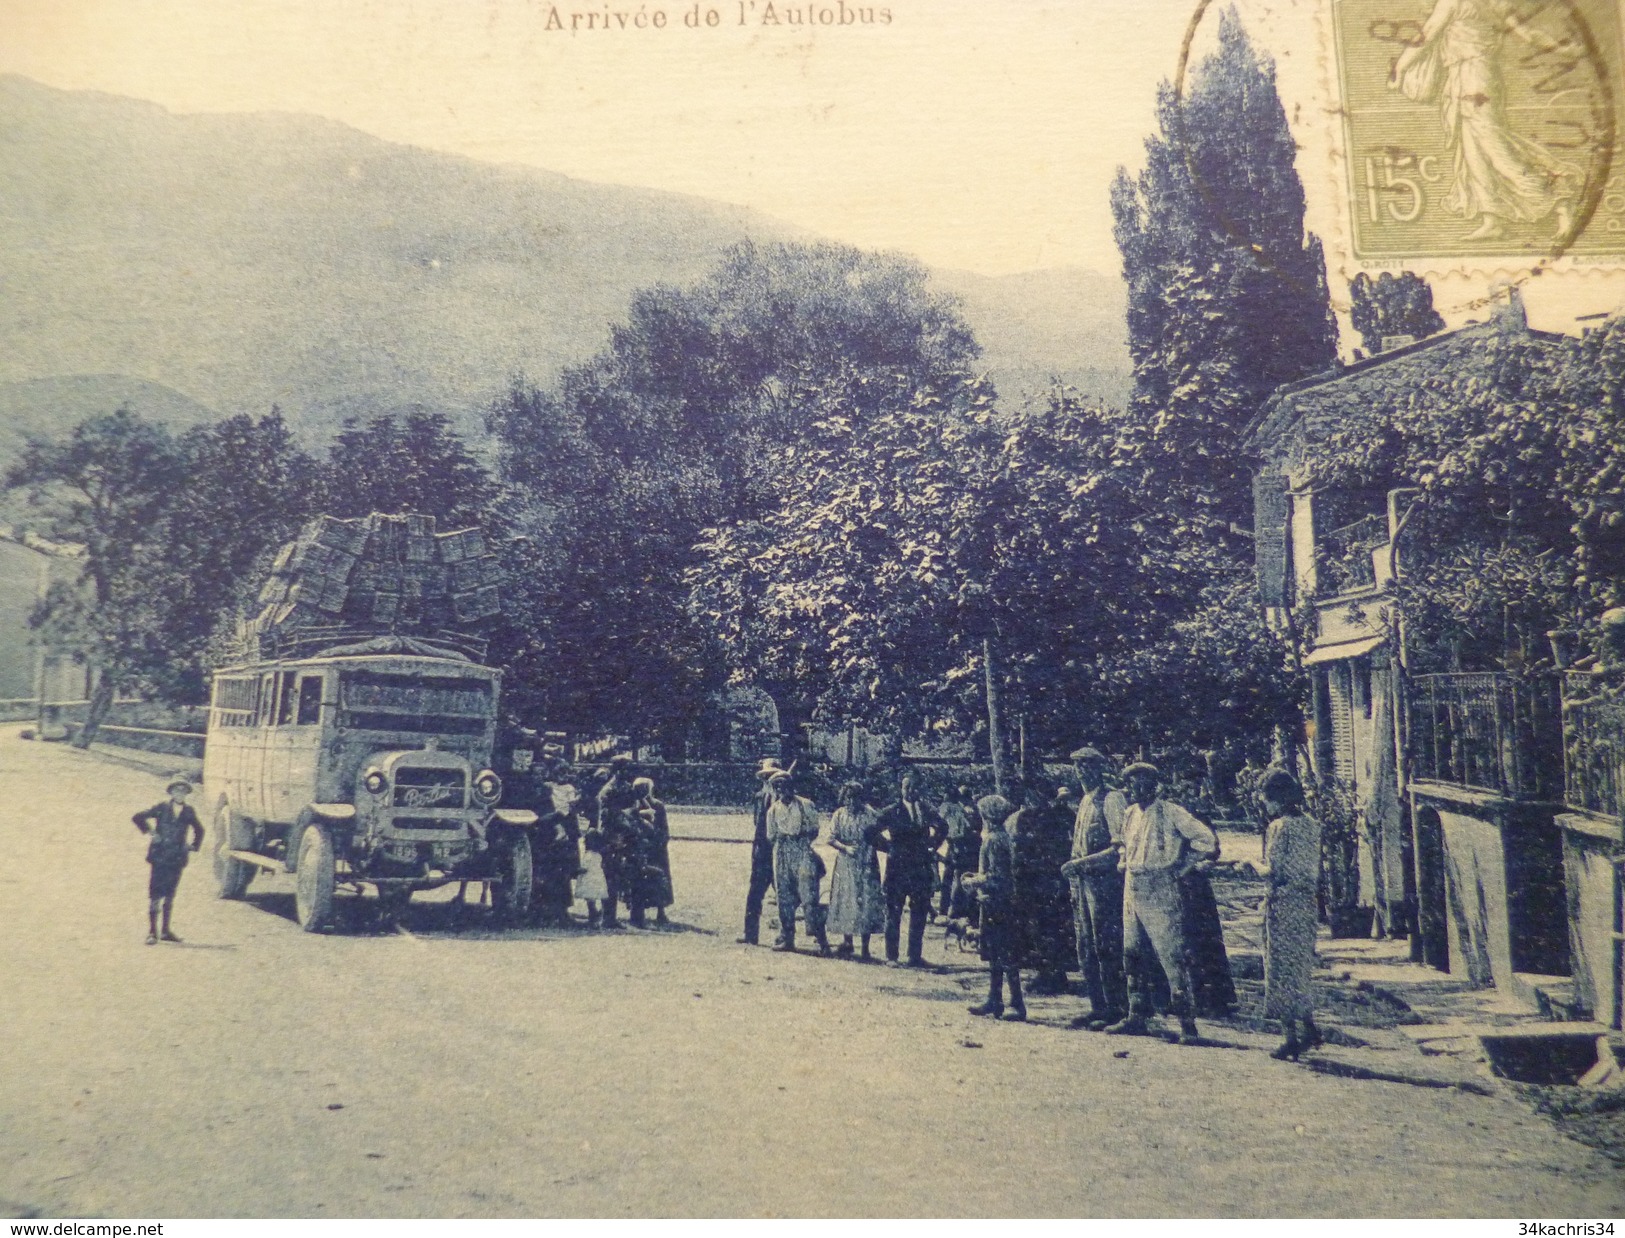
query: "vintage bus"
362, 762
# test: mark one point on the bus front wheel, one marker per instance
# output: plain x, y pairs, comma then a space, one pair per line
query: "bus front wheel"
313, 889
512, 895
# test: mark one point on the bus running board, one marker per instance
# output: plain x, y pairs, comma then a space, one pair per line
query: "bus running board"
258, 860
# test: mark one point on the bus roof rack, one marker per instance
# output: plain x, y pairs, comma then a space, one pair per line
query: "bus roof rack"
337, 640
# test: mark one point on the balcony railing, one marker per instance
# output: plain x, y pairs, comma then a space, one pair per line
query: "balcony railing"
1345, 555
1593, 745
1489, 732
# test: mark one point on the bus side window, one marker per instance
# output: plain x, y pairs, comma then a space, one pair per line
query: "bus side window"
267, 699
310, 700
286, 700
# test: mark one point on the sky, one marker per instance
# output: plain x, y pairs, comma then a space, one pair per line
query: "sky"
978, 134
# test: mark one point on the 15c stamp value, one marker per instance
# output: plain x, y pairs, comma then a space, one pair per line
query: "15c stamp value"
1482, 127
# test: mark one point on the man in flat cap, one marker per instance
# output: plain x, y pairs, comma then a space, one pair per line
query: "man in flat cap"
1161, 843
792, 825
169, 825
761, 854
1097, 890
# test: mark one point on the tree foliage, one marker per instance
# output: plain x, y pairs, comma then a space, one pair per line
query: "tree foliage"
677, 427
407, 462
178, 532
1515, 451
1392, 305
1227, 295
105, 486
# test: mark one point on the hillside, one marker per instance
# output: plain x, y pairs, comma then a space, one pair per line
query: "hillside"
246, 260
40, 406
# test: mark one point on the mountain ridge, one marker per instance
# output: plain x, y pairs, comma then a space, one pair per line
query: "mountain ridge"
245, 260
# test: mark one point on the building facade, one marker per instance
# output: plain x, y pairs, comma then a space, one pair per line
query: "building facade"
1453, 803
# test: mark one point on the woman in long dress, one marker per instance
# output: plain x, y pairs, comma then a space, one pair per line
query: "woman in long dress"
1292, 857
857, 908
1500, 175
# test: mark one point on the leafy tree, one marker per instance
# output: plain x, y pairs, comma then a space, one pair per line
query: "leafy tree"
105, 487
175, 533
407, 462
1390, 305
1227, 295
1514, 448
942, 566
677, 427
249, 486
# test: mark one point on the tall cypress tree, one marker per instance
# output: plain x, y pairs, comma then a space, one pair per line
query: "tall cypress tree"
1227, 294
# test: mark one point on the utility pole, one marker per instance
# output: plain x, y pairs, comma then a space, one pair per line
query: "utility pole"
995, 721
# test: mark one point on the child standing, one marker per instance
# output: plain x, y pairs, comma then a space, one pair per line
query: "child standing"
169, 824
592, 886
994, 884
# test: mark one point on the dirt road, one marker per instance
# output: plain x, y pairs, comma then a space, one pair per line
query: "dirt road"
260, 1071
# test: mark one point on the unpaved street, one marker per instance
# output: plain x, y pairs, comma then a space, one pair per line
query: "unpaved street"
256, 1070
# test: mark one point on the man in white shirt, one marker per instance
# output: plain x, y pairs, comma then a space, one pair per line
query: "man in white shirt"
792, 825
1161, 842
1097, 890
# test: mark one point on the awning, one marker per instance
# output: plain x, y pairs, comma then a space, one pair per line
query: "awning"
1344, 649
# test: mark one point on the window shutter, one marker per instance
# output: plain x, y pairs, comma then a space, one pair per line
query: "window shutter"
1271, 516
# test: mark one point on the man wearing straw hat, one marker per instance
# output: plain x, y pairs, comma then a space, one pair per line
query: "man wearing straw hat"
761, 854
792, 825
168, 824
1161, 843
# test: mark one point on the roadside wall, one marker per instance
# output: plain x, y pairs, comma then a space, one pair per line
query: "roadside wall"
1504, 885
1591, 847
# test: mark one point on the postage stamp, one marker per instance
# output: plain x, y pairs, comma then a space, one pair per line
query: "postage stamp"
1482, 127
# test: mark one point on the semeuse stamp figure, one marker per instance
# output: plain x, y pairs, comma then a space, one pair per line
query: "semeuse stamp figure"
168, 824
1498, 174
1481, 127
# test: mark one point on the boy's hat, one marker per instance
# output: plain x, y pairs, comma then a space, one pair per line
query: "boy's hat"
1142, 767
1084, 755
994, 809
178, 782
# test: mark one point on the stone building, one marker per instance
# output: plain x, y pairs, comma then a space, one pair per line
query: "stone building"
1448, 772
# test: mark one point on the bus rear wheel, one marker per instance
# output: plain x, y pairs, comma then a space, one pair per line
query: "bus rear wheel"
231, 833
313, 884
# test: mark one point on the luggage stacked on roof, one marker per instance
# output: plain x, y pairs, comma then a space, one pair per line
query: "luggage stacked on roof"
381, 573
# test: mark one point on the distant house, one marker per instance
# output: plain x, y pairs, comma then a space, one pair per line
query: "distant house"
29, 672
1458, 845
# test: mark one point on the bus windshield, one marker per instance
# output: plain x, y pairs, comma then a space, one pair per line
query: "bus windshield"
445, 705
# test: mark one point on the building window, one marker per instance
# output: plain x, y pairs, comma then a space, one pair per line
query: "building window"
1361, 670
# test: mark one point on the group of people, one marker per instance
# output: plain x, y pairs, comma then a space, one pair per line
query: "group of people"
1112, 884
605, 843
